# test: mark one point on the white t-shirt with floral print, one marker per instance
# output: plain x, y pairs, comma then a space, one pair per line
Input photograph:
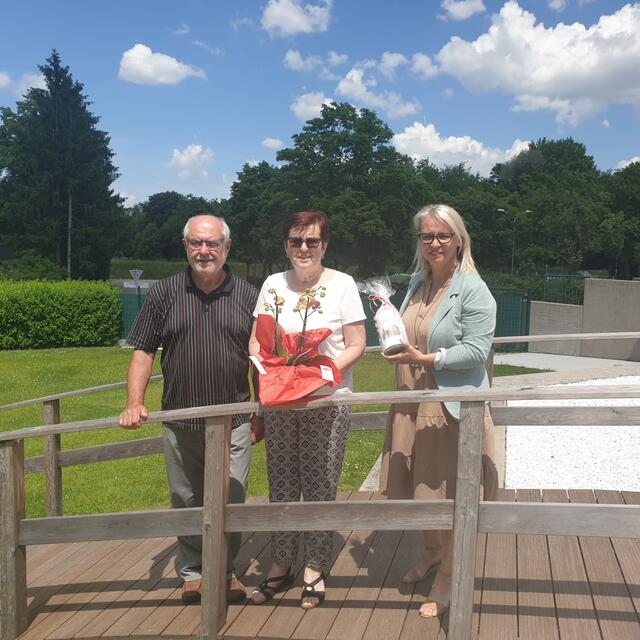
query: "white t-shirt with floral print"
338, 304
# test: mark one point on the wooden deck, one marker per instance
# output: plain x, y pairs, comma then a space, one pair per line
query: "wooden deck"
526, 587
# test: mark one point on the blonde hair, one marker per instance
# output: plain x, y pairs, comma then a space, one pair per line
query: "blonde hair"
454, 220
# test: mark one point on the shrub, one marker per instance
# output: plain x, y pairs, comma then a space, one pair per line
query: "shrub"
30, 265
38, 315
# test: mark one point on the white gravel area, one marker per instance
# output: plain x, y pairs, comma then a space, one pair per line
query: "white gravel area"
564, 457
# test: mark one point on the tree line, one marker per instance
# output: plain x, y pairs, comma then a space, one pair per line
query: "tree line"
550, 207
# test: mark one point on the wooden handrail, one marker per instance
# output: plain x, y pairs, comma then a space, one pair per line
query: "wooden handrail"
621, 335
378, 397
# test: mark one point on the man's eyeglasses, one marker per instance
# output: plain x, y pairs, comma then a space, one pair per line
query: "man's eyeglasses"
212, 245
442, 238
296, 242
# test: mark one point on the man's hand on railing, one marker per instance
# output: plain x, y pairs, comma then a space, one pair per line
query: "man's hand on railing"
131, 417
257, 429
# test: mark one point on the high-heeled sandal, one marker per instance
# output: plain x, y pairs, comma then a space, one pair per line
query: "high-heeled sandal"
308, 591
268, 589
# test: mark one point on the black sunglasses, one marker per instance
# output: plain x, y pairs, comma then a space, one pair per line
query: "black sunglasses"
296, 242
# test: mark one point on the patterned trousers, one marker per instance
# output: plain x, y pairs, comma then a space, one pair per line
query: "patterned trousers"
305, 450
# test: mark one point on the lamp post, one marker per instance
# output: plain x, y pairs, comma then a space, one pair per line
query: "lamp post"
513, 236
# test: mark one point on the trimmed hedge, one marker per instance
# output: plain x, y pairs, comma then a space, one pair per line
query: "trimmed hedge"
39, 314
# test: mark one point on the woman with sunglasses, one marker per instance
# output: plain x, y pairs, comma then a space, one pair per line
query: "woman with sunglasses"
305, 447
449, 315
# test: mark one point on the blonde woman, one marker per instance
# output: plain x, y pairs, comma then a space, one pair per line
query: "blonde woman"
449, 315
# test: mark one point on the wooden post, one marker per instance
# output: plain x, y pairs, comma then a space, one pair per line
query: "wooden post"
465, 519
214, 541
52, 470
13, 569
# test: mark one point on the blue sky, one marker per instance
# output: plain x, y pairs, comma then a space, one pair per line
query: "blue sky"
191, 90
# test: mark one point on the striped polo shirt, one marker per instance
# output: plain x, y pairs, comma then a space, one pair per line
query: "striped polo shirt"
204, 339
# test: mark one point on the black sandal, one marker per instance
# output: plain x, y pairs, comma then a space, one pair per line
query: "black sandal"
269, 591
308, 591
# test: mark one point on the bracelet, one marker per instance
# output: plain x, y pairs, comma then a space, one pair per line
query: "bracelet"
441, 356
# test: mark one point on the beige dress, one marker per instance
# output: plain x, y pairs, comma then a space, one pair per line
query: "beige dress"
419, 458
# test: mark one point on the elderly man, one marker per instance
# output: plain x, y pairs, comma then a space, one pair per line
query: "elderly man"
202, 319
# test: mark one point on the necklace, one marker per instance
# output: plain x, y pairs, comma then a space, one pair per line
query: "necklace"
425, 301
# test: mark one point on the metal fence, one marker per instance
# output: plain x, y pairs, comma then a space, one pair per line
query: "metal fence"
566, 288
131, 300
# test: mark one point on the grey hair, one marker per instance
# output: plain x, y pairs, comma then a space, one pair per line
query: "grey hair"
454, 220
226, 232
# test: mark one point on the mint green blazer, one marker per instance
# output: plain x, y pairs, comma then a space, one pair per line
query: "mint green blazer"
463, 324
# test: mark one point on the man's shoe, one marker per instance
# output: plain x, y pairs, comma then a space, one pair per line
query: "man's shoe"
191, 591
235, 590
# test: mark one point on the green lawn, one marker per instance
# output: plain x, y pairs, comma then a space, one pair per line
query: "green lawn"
139, 483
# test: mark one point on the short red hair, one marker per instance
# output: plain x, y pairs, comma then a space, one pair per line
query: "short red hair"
307, 219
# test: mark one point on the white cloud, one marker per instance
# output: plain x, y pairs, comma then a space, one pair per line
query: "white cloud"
297, 62
190, 162
239, 23
182, 30
354, 86
252, 162
29, 81
571, 70
557, 5
336, 59
141, 66
214, 51
129, 200
448, 93
272, 143
421, 65
423, 141
625, 163
462, 9
605, 123
5, 80
389, 62
309, 105
285, 18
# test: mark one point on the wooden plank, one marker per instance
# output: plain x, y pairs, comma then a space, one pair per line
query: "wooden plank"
52, 471
288, 619
358, 515
174, 617
154, 523
481, 550
362, 596
377, 397
536, 606
618, 335
110, 599
465, 518
616, 614
113, 451
214, 541
566, 416
391, 608
574, 605
617, 521
253, 618
628, 550
13, 566
151, 600
70, 394
368, 421
52, 602
499, 612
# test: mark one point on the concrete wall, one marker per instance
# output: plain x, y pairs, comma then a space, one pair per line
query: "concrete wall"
552, 317
611, 305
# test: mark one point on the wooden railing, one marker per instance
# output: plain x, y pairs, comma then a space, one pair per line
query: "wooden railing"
466, 515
